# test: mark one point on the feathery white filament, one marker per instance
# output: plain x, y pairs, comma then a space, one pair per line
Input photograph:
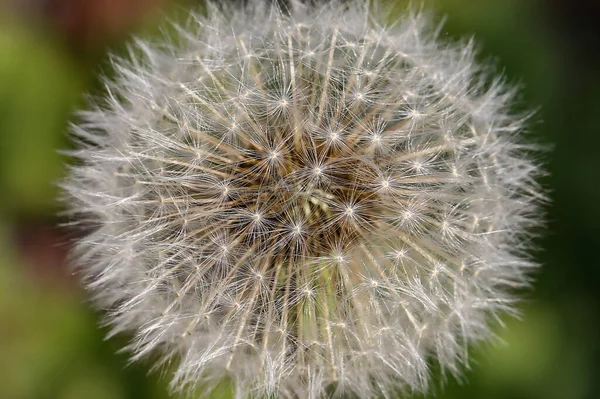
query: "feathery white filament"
306, 204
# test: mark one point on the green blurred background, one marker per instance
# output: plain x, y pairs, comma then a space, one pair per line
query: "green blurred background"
51, 53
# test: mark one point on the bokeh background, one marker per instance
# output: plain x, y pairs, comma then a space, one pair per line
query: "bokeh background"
51, 54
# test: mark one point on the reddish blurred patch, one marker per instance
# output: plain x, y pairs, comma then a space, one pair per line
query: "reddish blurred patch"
89, 23
100, 19
43, 249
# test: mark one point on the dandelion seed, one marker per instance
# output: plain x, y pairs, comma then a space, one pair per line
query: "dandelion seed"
304, 202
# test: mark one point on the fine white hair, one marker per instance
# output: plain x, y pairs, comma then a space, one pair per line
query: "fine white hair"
304, 202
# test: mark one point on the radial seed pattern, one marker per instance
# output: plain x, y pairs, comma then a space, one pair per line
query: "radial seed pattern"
306, 204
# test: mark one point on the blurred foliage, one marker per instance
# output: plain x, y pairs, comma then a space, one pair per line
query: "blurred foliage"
50, 345
38, 85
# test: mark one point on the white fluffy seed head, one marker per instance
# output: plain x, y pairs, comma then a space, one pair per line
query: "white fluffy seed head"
304, 203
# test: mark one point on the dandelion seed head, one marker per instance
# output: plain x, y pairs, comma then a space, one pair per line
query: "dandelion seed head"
304, 202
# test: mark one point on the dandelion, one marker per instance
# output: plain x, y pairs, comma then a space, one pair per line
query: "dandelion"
304, 202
